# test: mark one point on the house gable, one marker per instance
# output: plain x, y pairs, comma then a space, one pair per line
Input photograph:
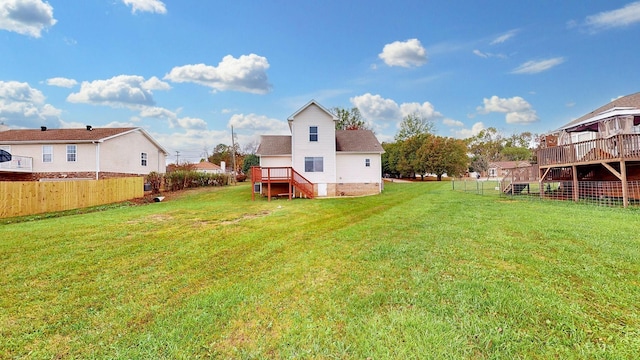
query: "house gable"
313, 141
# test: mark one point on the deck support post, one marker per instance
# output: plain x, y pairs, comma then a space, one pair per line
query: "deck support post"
574, 173
268, 184
290, 175
625, 183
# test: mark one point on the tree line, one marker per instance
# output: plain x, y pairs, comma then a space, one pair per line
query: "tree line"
415, 151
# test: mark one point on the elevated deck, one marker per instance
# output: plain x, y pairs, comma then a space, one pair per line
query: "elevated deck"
18, 164
269, 176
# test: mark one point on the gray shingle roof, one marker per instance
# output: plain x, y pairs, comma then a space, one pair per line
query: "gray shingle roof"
632, 100
274, 145
357, 141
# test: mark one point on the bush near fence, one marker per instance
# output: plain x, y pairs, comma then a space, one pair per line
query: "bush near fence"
183, 179
21, 198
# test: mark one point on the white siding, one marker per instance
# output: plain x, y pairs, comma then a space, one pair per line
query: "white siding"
351, 168
325, 147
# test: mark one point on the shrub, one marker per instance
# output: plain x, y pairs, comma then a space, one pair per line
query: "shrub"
183, 179
155, 179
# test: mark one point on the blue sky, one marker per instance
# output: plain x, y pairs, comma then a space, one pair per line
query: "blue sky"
187, 70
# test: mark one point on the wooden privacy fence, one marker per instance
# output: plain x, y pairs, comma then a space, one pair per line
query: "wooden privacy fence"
19, 198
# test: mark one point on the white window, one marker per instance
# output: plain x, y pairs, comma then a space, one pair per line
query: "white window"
313, 133
47, 153
143, 159
367, 162
72, 153
313, 164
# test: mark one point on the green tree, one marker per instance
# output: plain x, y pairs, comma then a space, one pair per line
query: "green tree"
443, 155
410, 163
414, 125
349, 119
249, 161
390, 159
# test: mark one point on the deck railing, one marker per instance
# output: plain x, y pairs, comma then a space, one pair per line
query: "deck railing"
618, 147
282, 174
17, 164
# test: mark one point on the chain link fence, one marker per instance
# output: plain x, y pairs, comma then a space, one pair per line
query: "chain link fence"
599, 193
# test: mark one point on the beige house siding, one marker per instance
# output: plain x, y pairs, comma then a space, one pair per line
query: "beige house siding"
123, 154
275, 161
114, 156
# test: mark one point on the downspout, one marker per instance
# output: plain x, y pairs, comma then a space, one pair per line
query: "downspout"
97, 159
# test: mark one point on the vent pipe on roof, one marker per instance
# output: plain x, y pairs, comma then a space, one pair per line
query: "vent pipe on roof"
89, 127
43, 128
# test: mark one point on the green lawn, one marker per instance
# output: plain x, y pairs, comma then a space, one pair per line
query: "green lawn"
418, 272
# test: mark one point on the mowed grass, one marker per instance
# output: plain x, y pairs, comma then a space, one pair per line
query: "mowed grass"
418, 272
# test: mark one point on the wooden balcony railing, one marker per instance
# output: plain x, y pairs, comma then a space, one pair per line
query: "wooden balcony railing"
618, 147
17, 164
266, 175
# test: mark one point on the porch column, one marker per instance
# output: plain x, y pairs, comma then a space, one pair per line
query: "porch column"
574, 172
625, 184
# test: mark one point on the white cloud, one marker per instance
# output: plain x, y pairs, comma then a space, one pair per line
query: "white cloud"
62, 82
26, 17
379, 112
426, 110
152, 6
467, 133
533, 67
157, 112
259, 124
174, 120
487, 55
120, 91
404, 53
23, 106
517, 109
504, 37
191, 123
480, 53
376, 108
624, 16
452, 122
247, 74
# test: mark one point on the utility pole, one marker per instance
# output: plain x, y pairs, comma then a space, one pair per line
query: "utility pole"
177, 157
233, 154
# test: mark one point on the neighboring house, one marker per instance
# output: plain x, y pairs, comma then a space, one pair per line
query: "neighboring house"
207, 167
87, 153
500, 169
318, 160
596, 155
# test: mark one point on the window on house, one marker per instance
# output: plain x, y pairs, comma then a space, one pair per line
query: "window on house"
313, 164
367, 162
313, 133
47, 153
72, 153
143, 159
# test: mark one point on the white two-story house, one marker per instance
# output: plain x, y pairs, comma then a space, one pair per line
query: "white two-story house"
318, 160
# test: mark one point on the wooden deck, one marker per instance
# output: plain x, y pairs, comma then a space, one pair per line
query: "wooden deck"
624, 147
275, 177
592, 161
